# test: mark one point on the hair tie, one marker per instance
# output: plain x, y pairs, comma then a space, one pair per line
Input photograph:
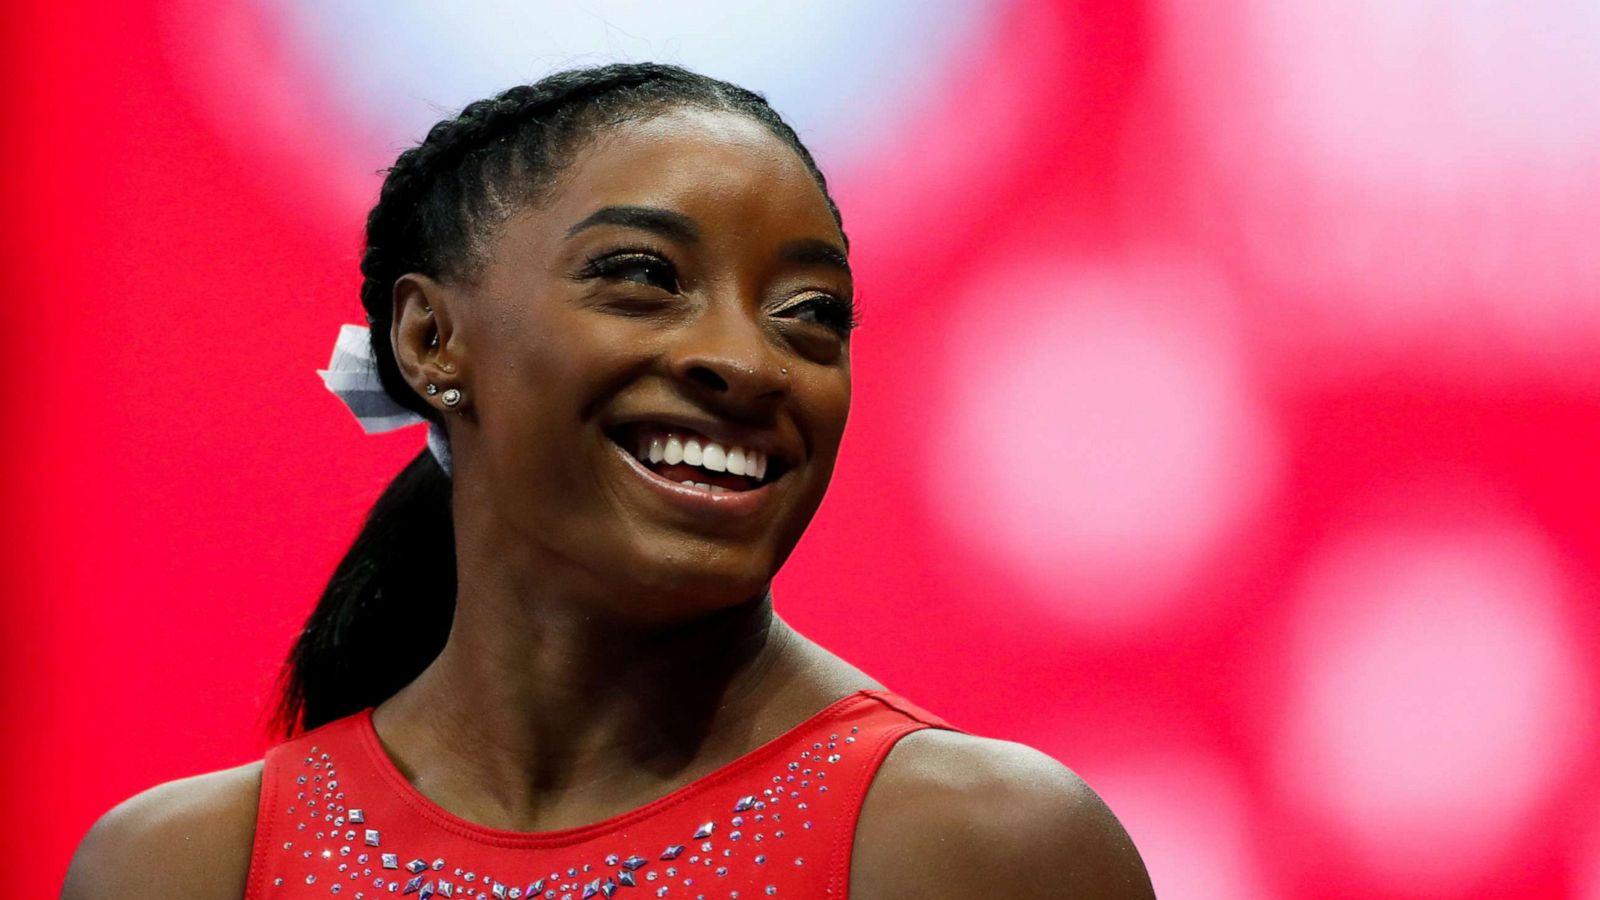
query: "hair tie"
352, 376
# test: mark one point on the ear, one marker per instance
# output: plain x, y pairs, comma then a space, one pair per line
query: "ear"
426, 345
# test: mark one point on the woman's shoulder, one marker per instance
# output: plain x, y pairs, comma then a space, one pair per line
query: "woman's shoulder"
186, 838
954, 815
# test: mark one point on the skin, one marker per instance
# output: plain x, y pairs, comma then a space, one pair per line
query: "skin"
608, 646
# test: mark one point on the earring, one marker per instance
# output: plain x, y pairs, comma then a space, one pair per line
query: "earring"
434, 341
432, 389
451, 398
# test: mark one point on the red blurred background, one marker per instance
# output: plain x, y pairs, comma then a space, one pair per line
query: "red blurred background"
1227, 403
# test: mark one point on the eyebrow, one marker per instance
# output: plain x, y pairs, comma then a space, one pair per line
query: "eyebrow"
811, 251
673, 225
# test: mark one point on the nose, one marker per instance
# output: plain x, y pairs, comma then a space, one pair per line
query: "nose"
726, 359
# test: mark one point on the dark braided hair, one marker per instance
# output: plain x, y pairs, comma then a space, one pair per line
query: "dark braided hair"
387, 609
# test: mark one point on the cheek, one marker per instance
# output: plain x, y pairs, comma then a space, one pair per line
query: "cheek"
531, 384
546, 368
522, 402
829, 400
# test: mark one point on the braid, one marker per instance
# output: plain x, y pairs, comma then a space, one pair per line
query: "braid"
436, 199
386, 611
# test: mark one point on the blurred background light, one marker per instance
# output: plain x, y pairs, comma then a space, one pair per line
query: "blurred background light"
823, 63
1191, 819
1405, 175
385, 72
1099, 435
1436, 697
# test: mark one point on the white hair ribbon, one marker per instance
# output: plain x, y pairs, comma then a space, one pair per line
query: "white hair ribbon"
352, 376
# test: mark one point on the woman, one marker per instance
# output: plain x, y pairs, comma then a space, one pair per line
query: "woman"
624, 293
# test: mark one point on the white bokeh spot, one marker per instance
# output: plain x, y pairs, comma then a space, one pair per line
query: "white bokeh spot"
334, 91
1415, 175
1100, 438
1435, 94
1188, 817
1436, 695
820, 63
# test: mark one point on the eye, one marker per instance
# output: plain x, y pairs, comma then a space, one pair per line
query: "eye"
826, 310
638, 267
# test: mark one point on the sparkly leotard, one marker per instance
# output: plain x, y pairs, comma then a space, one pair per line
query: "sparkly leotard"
338, 819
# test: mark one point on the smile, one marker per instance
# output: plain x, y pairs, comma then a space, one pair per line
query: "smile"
696, 469
686, 457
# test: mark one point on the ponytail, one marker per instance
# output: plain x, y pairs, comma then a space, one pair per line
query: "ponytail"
386, 611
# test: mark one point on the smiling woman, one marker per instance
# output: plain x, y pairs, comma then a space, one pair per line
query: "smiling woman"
549, 666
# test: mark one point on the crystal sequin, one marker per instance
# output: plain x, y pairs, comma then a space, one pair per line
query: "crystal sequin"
611, 872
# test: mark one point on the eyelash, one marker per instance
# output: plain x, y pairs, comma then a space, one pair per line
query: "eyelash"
831, 312
612, 264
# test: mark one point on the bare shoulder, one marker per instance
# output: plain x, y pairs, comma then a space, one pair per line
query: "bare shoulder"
187, 838
951, 815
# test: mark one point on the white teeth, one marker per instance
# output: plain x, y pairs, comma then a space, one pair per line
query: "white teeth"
695, 451
715, 458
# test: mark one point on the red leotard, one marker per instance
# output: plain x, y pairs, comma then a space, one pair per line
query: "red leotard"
338, 820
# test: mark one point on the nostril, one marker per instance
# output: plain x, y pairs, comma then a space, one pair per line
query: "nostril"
708, 378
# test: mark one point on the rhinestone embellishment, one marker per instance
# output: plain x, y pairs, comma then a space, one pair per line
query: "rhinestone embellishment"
755, 825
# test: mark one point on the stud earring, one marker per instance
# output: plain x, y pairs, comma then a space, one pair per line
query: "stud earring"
432, 389
434, 341
451, 398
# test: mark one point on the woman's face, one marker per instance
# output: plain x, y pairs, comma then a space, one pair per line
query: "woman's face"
675, 310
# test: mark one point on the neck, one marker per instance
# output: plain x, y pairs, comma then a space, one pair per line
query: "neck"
540, 713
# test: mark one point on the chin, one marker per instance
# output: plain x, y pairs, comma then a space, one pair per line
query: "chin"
692, 578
